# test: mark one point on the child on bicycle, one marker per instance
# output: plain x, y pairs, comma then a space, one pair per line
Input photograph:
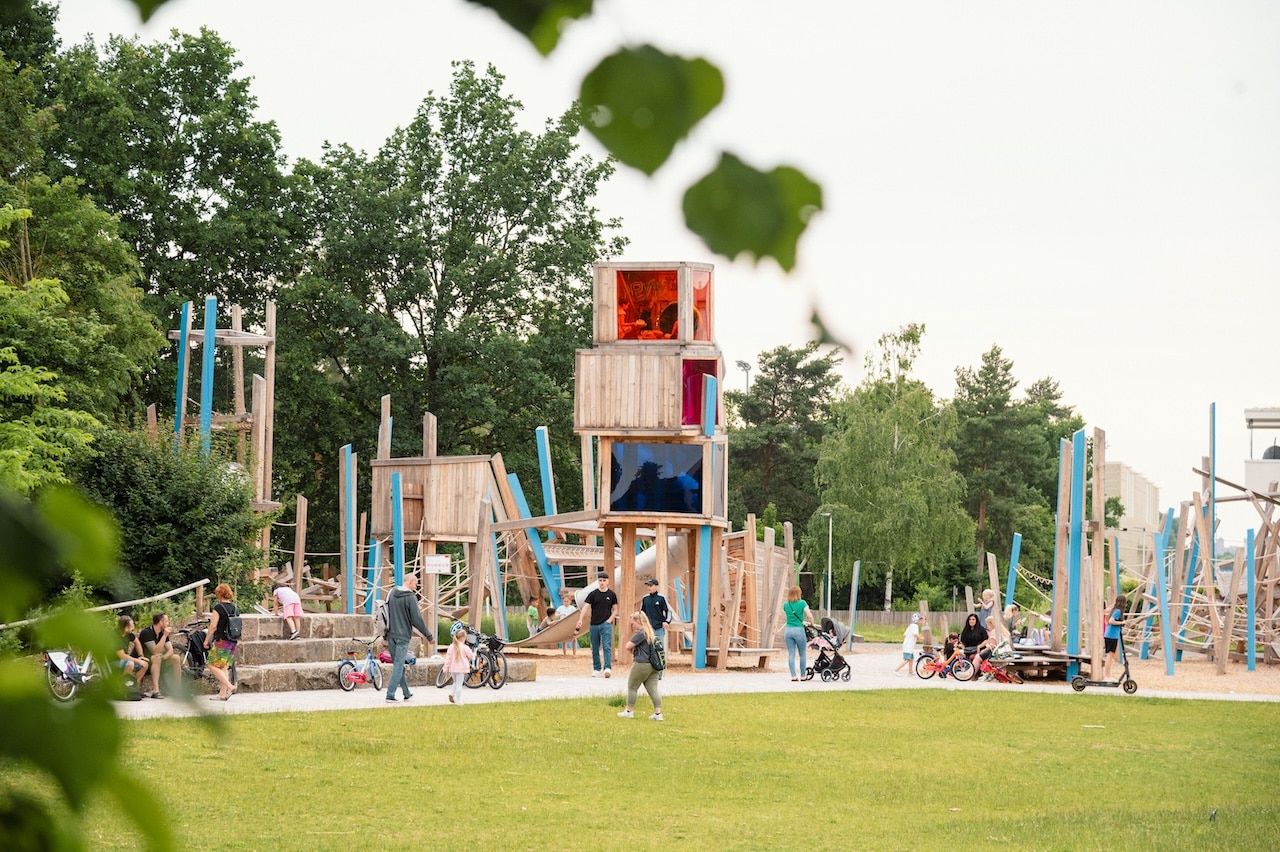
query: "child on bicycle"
952, 651
457, 660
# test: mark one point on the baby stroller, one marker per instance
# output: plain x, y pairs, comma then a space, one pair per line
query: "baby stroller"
829, 665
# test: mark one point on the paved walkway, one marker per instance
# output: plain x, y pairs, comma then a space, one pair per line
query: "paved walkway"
869, 671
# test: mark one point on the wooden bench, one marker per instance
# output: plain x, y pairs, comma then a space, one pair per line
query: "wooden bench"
762, 654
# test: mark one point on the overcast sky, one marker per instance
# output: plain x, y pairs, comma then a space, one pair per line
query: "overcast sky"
1094, 187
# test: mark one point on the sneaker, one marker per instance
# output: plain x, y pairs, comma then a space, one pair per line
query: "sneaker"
595, 673
656, 717
391, 698
608, 672
626, 714
407, 697
293, 635
451, 701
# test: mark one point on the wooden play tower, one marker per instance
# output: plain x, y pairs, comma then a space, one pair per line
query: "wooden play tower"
649, 411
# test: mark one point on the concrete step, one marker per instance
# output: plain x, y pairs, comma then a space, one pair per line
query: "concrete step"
290, 677
314, 625
261, 652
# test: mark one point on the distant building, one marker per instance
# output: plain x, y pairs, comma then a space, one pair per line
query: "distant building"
1141, 518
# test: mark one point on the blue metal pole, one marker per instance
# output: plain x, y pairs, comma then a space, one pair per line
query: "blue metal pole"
704, 597
1010, 585
1166, 629
544, 468
1075, 554
206, 374
1252, 636
397, 529
183, 332
349, 526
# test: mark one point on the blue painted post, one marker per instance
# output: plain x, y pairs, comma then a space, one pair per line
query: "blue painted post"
709, 409
1010, 585
375, 562
349, 527
183, 352
1166, 629
1251, 636
550, 573
544, 468
704, 597
1075, 538
1213, 487
853, 603
206, 374
397, 529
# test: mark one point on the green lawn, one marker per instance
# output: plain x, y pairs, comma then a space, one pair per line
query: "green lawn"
850, 770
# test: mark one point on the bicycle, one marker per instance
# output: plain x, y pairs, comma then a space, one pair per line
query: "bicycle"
188, 642
927, 665
353, 672
488, 666
66, 674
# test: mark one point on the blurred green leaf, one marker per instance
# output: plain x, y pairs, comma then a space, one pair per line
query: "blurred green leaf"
27, 824
822, 334
28, 555
737, 209
147, 8
76, 743
87, 535
641, 102
540, 21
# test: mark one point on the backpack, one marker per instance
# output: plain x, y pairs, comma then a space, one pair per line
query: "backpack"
381, 625
235, 624
657, 655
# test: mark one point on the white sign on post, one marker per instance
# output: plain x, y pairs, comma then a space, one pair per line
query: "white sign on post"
436, 564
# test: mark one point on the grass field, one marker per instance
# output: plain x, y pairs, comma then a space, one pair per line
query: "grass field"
851, 770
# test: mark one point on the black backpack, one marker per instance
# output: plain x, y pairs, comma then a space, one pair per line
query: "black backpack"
657, 655
235, 624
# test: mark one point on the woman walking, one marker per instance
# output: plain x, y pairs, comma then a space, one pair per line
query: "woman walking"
642, 671
223, 648
798, 615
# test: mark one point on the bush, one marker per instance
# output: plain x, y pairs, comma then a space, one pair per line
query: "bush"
182, 516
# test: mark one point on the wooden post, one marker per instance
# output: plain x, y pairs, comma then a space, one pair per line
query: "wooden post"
1060, 589
626, 590
299, 542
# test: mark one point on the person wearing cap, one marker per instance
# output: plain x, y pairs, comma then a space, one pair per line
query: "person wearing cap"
909, 644
656, 609
601, 603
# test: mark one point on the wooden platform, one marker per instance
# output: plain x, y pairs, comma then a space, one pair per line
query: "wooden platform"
761, 655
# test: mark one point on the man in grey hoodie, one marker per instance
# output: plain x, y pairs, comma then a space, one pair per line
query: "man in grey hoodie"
403, 617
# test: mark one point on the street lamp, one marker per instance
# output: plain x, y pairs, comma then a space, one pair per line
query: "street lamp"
746, 368
827, 588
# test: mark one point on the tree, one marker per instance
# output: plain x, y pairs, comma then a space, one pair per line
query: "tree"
996, 450
163, 135
452, 270
641, 102
775, 430
886, 472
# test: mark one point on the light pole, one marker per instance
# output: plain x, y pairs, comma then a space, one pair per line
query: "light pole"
827, 587
746, 368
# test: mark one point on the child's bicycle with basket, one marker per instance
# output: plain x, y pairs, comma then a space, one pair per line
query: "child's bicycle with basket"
927, 665
353, 671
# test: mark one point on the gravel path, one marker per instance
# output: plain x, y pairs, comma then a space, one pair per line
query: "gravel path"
872, 668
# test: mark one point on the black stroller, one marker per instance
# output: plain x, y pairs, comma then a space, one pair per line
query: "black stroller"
829, 665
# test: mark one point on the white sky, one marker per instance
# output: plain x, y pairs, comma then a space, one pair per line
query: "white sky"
1094, 187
